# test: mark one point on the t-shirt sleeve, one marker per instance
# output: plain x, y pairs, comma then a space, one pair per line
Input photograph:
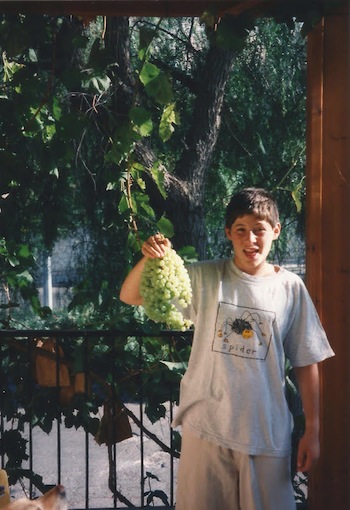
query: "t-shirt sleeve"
306, 341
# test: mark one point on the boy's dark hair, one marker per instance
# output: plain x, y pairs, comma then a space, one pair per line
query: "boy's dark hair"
255, 201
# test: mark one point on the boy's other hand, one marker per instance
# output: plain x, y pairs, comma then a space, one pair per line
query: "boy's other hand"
308, 452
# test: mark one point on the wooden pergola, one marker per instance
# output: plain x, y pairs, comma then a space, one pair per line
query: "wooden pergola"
328, 200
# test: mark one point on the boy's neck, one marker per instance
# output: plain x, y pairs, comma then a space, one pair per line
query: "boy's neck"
265, 269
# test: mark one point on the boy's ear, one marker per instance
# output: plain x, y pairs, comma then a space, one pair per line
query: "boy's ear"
277, 230
228, 233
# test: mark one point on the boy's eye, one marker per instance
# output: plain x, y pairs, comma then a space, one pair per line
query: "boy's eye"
258, 230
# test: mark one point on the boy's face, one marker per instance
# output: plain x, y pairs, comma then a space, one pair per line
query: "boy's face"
251, 239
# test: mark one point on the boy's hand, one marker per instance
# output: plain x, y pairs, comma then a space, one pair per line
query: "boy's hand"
156, 246
308, 452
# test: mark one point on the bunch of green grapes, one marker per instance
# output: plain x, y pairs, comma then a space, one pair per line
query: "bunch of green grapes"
165, 281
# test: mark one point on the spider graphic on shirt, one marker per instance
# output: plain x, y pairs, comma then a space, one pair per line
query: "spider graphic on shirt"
245, 325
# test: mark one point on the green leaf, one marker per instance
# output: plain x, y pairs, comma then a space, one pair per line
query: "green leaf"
148, 73
122, 143
97, 83
165, 227
156, 83
188, 253
141, 183
158, 177
123, 205
142, 120
147, 208
167, 121
25, 279
160, 89
24, 252
10, 68
296, 195
56, 108
13, 260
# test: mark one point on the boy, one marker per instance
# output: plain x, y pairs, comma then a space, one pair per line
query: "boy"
249, 315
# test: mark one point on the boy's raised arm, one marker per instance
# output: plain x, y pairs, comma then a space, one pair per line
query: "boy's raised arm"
130, 291
155, 247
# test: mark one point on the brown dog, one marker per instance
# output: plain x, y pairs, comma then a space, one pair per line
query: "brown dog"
54, 499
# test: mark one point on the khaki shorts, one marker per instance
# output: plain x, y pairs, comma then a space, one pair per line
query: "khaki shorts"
214, 478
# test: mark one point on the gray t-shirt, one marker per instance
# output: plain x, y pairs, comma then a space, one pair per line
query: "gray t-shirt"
233, 392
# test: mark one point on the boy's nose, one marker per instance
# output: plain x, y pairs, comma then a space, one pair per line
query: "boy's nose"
251, 236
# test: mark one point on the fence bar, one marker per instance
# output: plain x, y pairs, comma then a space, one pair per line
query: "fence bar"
29, 348
87, 457
141, 399
58, 420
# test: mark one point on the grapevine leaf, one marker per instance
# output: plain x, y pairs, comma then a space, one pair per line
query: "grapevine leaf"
297, 194
167, 121
141, 183
13, 260
123, 205
10, 68
97, 83
148, 73
158, 176
142, 120
165, 227
24, 252
296, 198
147, 208
188, 253
156, 83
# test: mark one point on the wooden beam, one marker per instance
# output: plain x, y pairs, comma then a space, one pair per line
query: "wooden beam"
162, 8
328, 245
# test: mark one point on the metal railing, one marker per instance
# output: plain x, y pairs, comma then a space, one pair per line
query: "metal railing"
79, 407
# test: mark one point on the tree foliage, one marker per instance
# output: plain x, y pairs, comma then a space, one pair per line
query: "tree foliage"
116, 128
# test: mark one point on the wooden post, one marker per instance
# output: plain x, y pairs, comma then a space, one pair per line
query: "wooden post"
328, 245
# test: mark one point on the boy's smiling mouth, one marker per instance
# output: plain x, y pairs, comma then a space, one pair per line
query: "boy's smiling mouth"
251, 253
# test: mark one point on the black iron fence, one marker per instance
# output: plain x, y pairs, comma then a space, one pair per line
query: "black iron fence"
92, 410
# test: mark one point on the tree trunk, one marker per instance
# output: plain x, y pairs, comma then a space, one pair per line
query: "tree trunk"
185, 203
118, 43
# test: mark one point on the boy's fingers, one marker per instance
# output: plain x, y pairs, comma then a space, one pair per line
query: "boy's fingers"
155, 246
